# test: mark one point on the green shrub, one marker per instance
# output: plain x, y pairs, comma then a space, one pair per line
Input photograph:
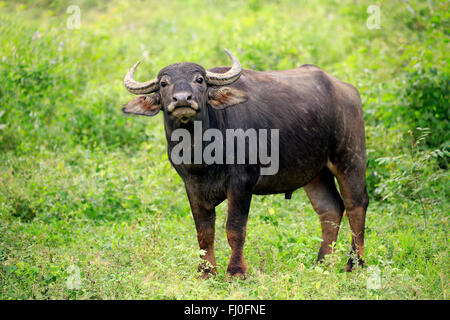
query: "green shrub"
414, 177
424, 103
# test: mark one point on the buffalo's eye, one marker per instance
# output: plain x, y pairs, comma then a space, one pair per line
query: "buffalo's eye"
163, 84
199, 80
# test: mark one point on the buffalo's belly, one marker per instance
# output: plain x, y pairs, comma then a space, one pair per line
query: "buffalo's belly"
289, 177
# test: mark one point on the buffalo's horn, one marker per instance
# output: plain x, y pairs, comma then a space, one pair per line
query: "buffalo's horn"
139, 87
220, 79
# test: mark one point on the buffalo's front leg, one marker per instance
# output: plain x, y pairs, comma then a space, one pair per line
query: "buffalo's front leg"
238, 208
205, 217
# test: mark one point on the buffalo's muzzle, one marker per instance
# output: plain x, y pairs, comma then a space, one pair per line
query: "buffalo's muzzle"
183, 107
182, 101
184, 114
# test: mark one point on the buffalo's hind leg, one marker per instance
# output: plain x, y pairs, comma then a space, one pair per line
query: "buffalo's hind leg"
328, 204
350, 173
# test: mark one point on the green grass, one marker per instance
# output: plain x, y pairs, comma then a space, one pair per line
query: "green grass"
82, 185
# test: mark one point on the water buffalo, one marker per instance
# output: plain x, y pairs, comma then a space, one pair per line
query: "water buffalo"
320, 137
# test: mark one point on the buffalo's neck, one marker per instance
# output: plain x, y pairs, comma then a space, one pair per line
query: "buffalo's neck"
195, 130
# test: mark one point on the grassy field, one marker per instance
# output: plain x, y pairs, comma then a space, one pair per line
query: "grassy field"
90, 207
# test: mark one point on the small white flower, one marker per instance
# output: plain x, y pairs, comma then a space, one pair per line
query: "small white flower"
36, 35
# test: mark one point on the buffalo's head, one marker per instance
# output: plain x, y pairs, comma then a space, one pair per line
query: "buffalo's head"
184, 91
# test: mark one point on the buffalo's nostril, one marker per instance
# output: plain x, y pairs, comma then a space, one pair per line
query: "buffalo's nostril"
182, 97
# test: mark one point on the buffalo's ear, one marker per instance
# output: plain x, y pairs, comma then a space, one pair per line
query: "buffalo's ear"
143, 105
223, 97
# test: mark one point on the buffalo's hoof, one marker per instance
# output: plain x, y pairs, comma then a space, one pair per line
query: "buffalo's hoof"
351, 264
236, 273
205, 275
206, 271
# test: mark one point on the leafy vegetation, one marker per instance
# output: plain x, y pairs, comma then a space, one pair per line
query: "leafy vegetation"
88, 192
